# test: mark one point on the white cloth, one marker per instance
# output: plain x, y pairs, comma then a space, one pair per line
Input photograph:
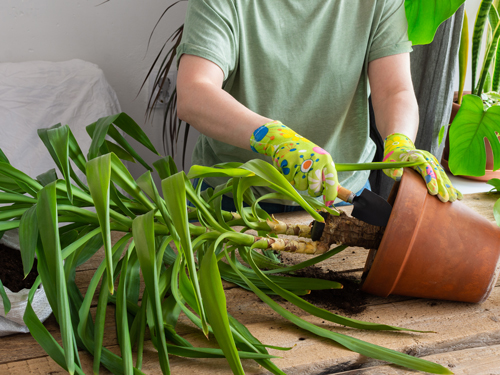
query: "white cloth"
13, 321
39, 94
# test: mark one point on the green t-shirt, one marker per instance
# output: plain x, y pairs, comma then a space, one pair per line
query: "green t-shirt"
302, 62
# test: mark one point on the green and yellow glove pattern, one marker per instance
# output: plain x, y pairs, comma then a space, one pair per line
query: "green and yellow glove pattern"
304, 164
398, 147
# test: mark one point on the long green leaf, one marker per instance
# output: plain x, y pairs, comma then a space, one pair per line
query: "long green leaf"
185, 287
28, 238
490, 53
279, 183
123, 333
99, 180
177, 208
477, 37
356, 345
42, 335
144, 237
463, 57
214, 299
59, 139
122, 177
5, 299
19, 177
46, 211
321, 313
103, 126
15, 198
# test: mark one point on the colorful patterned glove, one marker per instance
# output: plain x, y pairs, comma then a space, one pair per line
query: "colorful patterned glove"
398, 147
304, 164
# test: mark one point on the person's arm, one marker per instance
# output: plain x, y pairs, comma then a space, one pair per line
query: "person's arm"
396, 115
393, 97
203, 103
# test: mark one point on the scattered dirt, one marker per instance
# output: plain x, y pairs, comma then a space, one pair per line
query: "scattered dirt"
11, 270
349, 300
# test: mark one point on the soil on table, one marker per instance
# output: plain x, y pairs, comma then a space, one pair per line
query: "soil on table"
349, 300
11, 270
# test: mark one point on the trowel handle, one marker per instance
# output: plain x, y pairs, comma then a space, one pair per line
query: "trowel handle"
345, 194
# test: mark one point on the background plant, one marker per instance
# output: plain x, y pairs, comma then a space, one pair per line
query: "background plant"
479, 114
65, 221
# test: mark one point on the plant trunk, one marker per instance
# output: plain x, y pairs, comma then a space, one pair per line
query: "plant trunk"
339, 230
347, 230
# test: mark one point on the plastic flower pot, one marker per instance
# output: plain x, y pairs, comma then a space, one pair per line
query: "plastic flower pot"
433, 250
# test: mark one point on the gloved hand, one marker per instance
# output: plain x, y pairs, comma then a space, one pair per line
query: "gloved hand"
398, 147
304, 164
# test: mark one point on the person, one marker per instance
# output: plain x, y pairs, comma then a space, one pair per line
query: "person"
248, 67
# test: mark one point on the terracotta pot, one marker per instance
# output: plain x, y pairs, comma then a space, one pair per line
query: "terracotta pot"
489, 153
432, 249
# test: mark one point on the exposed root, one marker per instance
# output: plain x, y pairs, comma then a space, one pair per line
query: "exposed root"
279, 227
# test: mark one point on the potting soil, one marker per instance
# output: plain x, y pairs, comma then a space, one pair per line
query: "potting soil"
349, 300
11, 270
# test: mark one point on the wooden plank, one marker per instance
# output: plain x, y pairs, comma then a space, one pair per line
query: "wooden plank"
476, 361
310, 353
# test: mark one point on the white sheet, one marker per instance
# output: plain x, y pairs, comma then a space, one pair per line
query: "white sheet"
39, 94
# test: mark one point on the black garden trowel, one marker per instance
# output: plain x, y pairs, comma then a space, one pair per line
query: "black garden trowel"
368, 207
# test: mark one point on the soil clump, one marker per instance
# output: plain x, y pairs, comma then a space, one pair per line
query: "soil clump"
349, 300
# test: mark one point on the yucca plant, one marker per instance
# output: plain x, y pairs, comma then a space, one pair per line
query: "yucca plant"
65, 221
479, 114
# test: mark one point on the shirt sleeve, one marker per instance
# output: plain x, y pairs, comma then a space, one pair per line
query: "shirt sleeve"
391, 34
211, 31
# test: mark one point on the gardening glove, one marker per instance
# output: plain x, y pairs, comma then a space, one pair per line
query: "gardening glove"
304, 164
398, 147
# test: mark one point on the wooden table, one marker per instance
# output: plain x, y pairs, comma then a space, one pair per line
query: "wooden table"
467, 338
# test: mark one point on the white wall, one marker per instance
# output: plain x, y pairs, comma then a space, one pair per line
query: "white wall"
113, 35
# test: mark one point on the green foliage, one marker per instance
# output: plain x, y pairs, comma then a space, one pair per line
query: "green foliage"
471, 126
425, 16
478, 117
64, 222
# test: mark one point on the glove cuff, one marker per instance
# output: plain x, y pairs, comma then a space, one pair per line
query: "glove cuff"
398, 139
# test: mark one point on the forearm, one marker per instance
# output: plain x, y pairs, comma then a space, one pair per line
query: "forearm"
215, 113
397, 113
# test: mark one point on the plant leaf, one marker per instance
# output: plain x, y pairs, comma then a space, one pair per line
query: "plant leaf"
496, 212
46, 211
28, 238
59, 140
144, 237
495, 182
177, 209
99, 180
5, 299
214, 299
477, 37
356, 345
471, 125
425, 16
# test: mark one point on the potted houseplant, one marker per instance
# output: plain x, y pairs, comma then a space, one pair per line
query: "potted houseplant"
474, 148
66, 221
